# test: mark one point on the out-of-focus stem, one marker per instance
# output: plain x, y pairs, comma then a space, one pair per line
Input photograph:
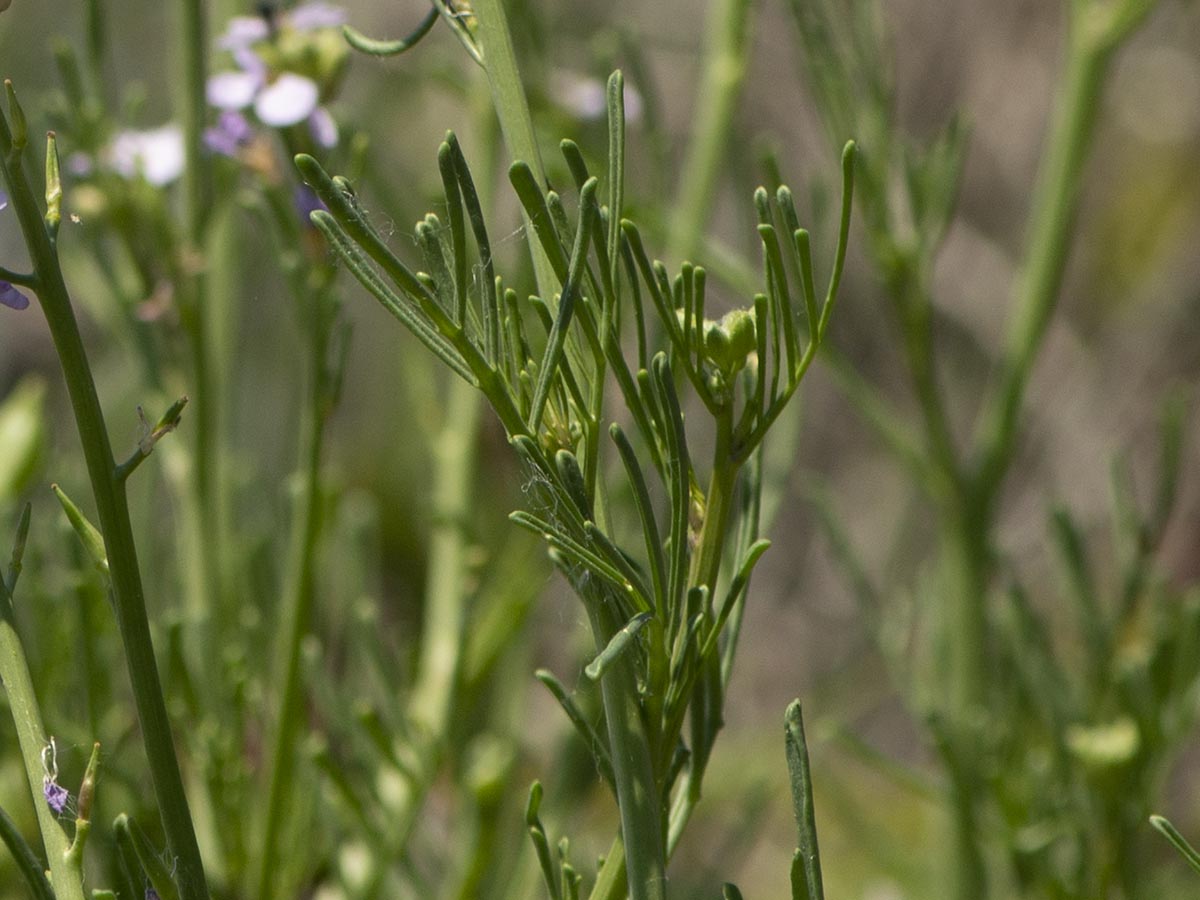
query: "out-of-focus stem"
446, 584
723, 65
1052, 215
298, 613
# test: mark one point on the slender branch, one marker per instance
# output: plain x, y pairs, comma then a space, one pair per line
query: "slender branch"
113, 510
508, 96
723, 65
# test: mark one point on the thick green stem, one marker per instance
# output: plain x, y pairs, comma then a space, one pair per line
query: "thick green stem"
966, 573
112, 508
705, 568
446, 585
633, 765
31, 735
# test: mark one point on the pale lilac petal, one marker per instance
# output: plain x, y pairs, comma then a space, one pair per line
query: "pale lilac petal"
232, 90
242, 31
322, 127
249, 61
80, 164
306, 202
231, 133
56, 796
633, 103
157, 155
11, 297
311, 16
3, 199
587, 97
287, 100
580, 95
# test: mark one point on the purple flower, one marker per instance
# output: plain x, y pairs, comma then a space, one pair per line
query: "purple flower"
243, 31
316, 15
230, 134
587, 97
233, 90
157, 155
56, 796
288, 100
9, 295
279, 98
306, 201
152, 894
323, 128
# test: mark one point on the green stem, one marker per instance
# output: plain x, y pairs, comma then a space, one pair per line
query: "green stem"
910, 287
31, 735
26, 861
508, 97
112, 507
633, 767
1052, 215
199, 318
1053, 210
723, 64
446, 591
633, 763
197, 175
967, 572
446, 587
298, 615
705, 568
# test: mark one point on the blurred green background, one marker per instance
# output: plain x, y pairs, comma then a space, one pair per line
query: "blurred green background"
1128, 329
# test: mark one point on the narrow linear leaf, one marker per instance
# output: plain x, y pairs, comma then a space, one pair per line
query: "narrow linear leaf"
530, 194
777, 286
591, 738
357, 262
645, 507
619, 643
566, 306
129, 832
678, 468
541, 845
26, 860
849, 155
575, 162
615, 94
9, 584
571, 477
372, 47
1178, 841
488, 285
621, 562
458, 230
809, 886
90, 536
736, 588
571, 549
